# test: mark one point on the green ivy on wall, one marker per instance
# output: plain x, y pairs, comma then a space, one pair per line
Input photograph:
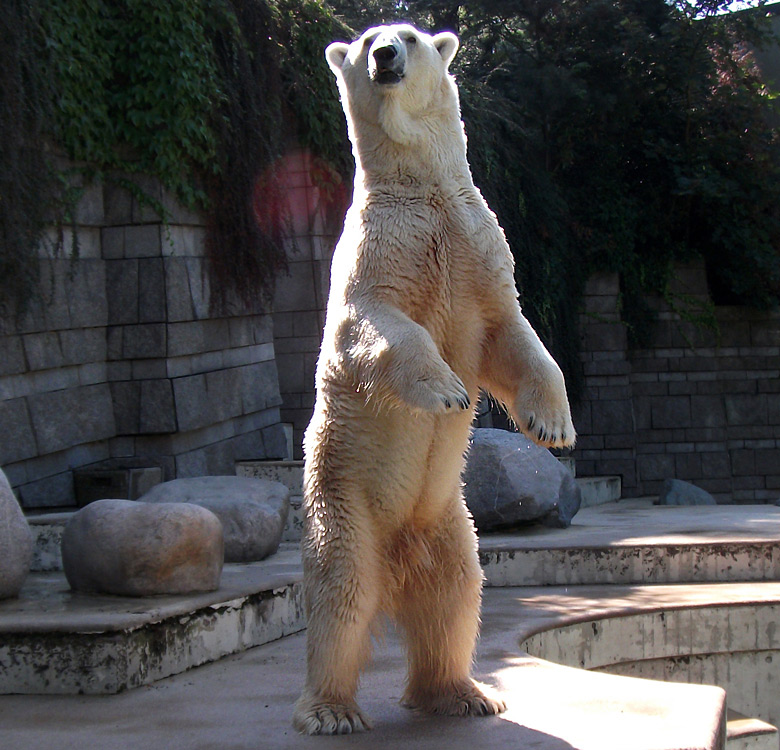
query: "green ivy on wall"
199, 94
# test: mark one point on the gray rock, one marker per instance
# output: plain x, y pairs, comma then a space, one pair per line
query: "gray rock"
138, 549
16, 542
253, 511
677, 492
511, 481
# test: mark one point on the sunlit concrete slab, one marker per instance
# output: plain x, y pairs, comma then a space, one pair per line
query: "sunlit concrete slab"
638, 542
246, 700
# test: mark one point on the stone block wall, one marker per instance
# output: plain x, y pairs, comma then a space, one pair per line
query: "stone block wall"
698, 405
122, 358
316, 210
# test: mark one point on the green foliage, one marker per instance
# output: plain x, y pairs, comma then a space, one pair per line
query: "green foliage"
202, 95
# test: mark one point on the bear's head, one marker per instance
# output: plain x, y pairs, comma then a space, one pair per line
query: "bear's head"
395, 78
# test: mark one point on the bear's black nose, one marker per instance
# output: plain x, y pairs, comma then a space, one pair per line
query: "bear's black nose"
385, 55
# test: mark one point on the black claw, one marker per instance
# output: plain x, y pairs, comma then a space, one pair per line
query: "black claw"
447, 402
563, 437
541, 433
531, 422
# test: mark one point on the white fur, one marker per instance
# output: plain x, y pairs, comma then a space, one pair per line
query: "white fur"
422, 313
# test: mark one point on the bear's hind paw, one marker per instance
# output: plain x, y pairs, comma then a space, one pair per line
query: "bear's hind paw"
321, 717
466, 699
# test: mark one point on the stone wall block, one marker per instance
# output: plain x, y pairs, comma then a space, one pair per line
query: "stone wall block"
746, 409
612, 417
259, 387
18, 441
86, 294
185, 338
12, 359
605, 337
200, 291
177, 291
157, 408
48, 310
655, 466
62, 419
90, 209
83, 345
191, 402
143, 209
603, 284
126, 399
144, 341
151, 291
143, 241
42, 350
54, 491
708, 411
122, 291
295, 291
766, 333
671, 412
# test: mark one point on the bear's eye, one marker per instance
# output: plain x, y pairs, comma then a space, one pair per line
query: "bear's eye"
411, 40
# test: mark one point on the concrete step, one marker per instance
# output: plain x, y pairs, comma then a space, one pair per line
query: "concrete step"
634, 542
55, 641
599, 490
747, 733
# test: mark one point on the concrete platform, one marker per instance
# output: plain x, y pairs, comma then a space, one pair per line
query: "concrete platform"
634, 541
245, 700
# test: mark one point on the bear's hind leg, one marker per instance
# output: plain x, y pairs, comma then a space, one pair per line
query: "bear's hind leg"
438, 609
340, 585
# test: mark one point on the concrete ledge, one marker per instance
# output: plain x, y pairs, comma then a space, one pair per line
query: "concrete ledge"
637, 542
723, 635
599, 490
53, 640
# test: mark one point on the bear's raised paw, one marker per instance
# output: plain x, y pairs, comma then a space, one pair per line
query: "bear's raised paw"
439, 394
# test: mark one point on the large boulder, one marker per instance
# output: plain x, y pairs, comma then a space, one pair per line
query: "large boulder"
510, 481
677, 492
16, 542
253, 511
139, 549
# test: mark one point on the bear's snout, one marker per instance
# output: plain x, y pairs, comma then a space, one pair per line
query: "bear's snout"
387, 60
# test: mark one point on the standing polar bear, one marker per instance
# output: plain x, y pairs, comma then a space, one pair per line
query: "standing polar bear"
422, 312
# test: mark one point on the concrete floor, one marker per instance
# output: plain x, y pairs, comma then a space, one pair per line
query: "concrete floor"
245, 701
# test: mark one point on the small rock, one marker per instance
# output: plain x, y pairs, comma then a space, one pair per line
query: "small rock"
253, 511
137, 549
511, 481
16, 542
677, 492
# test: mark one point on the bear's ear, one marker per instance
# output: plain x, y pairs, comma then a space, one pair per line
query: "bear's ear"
447, 45
335, 54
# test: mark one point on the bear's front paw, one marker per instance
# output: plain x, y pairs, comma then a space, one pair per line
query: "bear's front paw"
313, 716
464, 699
439, 393
546, 423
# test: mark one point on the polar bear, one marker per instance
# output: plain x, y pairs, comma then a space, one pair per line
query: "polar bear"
422, 312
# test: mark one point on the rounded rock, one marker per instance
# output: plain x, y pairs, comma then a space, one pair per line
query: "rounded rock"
16, 542
253, 512
130, 548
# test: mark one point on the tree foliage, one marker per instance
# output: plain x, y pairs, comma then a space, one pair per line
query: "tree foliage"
202, 95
